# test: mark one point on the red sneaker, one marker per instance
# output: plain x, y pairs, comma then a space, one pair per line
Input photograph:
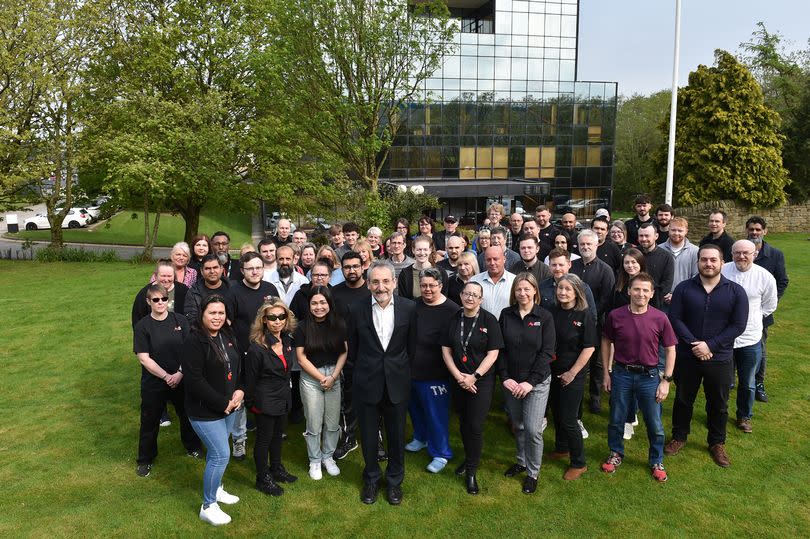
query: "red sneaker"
613, 461
659, 473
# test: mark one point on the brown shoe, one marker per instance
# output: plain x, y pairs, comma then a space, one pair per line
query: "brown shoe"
572, 474
673, 446
719, 455
558, 455
745, 426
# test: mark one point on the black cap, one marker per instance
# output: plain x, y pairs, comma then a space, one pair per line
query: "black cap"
450, 219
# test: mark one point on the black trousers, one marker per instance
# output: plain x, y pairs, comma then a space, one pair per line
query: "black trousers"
297, 411
595, 377
472, 409
716, 378
153, 402
393, 417
564, 402
269, 430
348, 419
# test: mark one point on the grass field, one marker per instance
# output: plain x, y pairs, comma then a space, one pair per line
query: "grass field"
69, 395
124, 230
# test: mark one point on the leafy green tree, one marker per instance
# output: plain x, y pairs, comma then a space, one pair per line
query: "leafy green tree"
638, 143
342, 70
727, 140
785, 79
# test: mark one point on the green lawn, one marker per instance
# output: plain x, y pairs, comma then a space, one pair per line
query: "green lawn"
124, 230
69, 395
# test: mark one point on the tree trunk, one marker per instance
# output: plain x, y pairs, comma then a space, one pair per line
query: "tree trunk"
192, 218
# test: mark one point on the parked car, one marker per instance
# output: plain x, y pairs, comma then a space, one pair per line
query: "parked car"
95, 208
75, 218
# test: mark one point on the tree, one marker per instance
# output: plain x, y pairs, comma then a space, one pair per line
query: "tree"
727, 141
342, 70
785, 80
43, 58
638, 143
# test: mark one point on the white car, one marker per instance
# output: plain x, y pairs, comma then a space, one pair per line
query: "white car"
95, 209
75, 218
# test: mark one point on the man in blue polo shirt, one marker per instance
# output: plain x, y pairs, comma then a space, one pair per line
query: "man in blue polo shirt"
636, 331
707, 312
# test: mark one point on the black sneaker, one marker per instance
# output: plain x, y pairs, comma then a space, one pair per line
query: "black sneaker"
348, 445
143, 470
266, 484
281, 475
195, 454
760, 394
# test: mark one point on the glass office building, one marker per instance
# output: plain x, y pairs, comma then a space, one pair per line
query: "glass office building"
505, 118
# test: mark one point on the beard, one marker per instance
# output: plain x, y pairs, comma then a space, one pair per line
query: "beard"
284, 271
224, 258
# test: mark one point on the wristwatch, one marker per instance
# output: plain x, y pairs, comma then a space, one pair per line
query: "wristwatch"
667, 378
477, 375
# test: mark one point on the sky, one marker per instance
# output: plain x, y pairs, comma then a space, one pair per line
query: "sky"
632, 41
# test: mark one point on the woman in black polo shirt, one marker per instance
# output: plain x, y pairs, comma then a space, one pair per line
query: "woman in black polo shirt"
157, 343
523, 365
576, 341
470, 349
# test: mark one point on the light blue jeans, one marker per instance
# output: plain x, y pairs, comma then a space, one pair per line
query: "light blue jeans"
527, 418
322, 413
214, 436
747, 360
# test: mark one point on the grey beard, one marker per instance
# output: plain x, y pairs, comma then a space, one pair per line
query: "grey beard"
224, 258
756, 241
284, 271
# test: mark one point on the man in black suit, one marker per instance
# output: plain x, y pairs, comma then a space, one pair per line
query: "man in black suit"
380, 338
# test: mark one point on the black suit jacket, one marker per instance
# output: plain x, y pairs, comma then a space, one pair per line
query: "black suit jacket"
375, 368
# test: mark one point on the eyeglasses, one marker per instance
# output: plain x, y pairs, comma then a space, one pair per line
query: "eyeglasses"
159, 299
274, 317
743, 253
429, 285
470, 295
253, 269
353, 267
321, 275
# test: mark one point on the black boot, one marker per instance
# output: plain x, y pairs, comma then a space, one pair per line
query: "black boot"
266, 484
281, 475
472, 484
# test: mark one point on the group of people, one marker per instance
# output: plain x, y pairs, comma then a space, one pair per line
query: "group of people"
354, 336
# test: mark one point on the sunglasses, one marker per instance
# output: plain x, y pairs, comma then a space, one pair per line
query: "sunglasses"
274, 317
158, 300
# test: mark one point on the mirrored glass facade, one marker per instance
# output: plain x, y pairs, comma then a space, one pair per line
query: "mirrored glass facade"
505, 118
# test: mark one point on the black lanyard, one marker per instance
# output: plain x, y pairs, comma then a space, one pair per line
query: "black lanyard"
465, 342
226, 358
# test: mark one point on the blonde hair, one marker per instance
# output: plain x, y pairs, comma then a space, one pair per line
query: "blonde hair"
470, 258
529, 278
182, 246
257, 329
246, 248
361, 245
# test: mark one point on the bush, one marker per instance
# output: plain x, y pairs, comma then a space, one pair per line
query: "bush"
69, 254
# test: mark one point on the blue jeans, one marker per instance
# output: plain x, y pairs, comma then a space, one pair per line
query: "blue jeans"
322, 413
527, 415
747, 360
214, 436
625, 387
429, 407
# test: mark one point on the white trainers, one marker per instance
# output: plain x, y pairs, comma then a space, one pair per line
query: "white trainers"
214, 515
635, 421
331, 467
315, 471
629, 431
224, 497
582, 428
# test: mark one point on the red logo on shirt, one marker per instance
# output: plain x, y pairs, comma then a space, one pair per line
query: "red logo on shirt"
178, 328
483, 330
534, 324
577, 323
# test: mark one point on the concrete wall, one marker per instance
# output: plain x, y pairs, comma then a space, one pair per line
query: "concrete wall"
787, 218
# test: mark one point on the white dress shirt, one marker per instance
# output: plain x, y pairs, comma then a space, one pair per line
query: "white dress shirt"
496, 294
383, 321
760, 287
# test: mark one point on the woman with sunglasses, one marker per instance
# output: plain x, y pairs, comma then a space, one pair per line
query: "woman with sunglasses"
158, 342
212, 365
321, 350
470, 349
267, 390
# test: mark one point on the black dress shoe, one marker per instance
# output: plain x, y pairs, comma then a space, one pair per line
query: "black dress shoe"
514, 470
472, 484
529, 485
369, 493
461, 469
394, 495
760, 393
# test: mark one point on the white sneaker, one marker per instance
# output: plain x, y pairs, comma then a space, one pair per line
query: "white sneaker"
331, 467
582, 428
315, 471
214, 515
628, 431
224, 497
635, 421
543, 425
